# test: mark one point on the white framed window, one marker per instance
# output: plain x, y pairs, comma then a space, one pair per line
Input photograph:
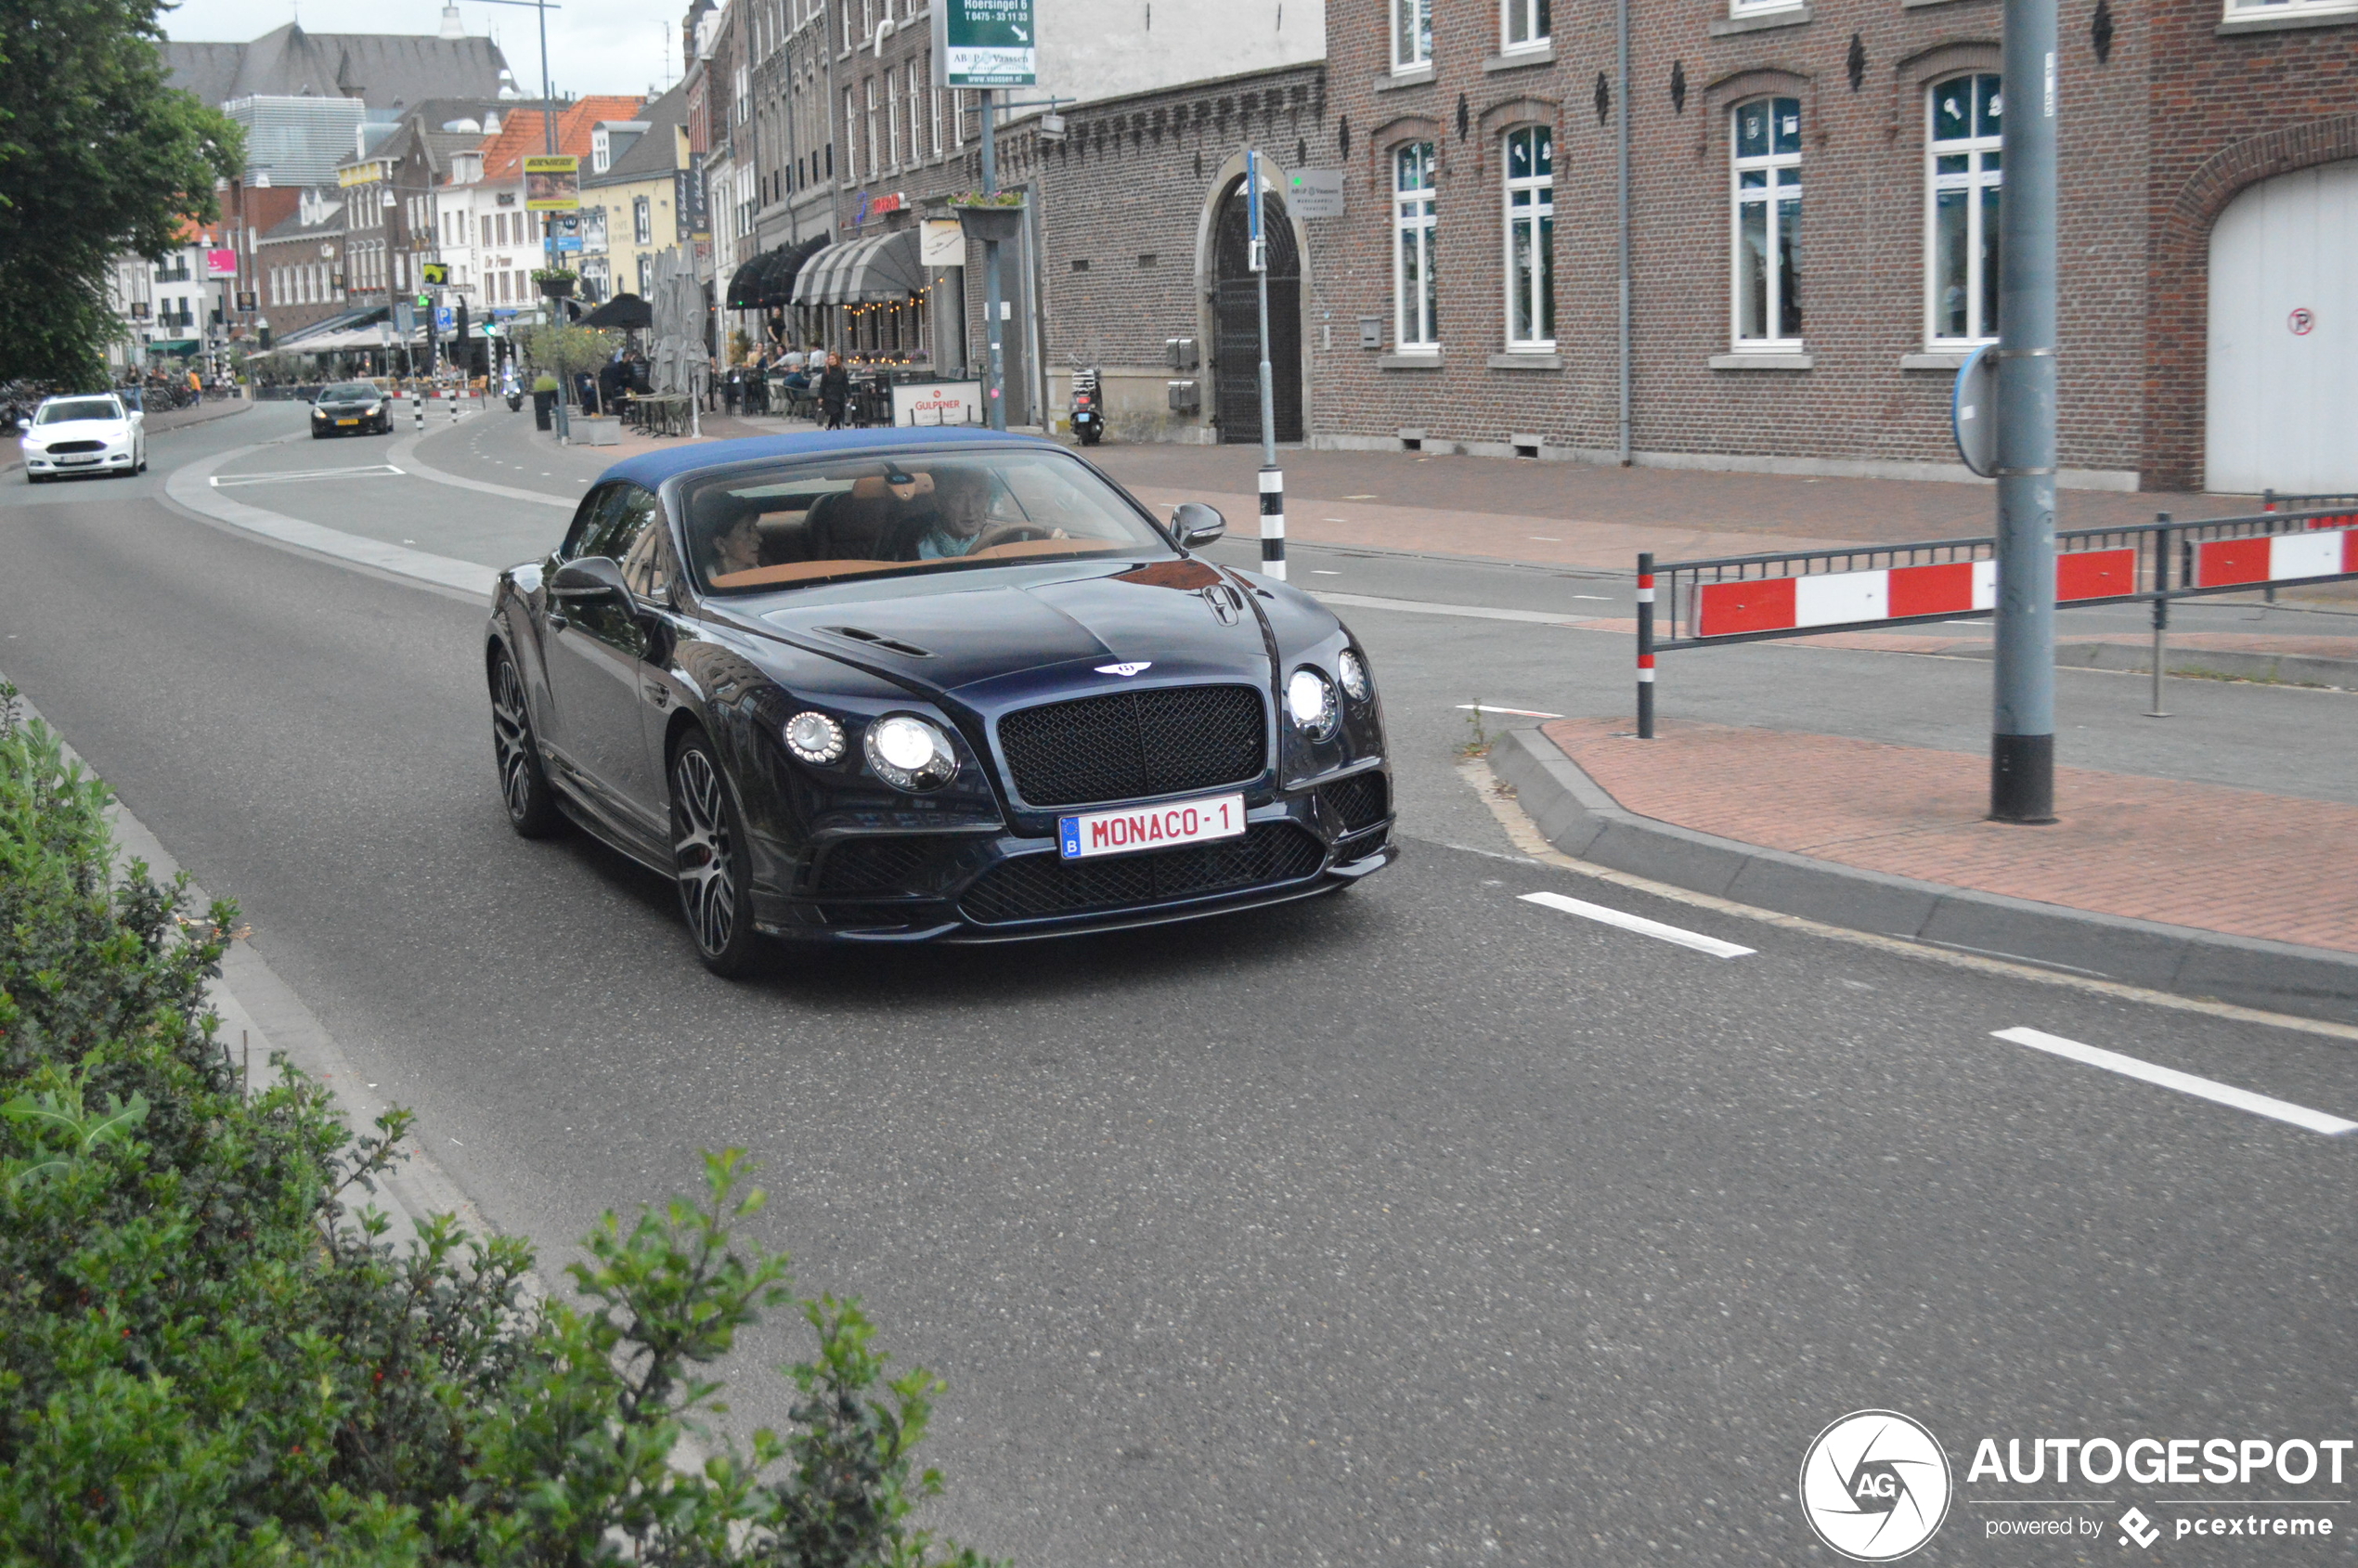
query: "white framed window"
1531, 238
916, 114
872, 127
642, 220
1416, 302
1765, 195
1961, 196
2239, 10
957, 117
934, 97
892, 118
851, 133
1411, 34
1525, 25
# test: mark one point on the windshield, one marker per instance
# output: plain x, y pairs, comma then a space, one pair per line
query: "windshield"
858, 515
343, 392
79, 408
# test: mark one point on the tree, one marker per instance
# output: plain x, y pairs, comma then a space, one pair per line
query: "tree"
97, 157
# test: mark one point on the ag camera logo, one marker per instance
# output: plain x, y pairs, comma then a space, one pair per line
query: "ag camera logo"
1876, 1485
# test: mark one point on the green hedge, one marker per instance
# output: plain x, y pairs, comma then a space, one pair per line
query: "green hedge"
212, 1356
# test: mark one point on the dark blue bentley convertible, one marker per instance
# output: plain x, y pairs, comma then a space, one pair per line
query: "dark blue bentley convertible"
913, 685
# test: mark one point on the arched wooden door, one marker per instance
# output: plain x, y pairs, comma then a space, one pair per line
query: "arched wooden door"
1236, 350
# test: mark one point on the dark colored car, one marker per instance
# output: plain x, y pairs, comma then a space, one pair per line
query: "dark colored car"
922, 685
351, 408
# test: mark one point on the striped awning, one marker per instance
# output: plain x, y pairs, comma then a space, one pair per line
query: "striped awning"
876, 270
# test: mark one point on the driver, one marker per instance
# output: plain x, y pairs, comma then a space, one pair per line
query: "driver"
961, 503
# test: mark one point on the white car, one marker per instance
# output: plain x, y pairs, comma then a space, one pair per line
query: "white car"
92, 433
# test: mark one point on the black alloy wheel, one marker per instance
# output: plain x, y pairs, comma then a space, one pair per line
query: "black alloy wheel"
712, 862
532, 810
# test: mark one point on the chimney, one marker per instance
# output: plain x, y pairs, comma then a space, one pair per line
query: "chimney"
451, 26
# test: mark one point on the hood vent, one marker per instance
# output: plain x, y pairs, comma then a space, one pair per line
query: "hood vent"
877, 639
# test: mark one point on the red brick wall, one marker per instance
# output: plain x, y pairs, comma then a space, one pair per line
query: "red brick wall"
1864, 234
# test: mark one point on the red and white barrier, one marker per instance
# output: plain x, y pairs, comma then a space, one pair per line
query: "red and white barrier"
2327, 549
1953, 587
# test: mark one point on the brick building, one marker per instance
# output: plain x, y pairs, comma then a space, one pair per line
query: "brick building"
1478, 263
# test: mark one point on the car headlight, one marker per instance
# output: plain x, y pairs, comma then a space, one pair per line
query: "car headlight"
814, 737
374, 408
1353, 673
910, 754
1310, 699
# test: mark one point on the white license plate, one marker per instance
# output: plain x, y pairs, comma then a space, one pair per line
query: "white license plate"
71, 462
1150, 827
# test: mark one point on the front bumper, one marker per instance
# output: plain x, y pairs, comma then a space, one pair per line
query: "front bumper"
995, 886
113, 455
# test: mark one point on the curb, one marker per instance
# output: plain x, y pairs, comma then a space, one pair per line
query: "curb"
2294, 669
1576, 815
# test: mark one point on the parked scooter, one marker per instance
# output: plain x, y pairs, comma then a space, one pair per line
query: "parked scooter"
1088, 409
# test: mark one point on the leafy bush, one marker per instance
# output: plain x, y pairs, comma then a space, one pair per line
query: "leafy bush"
212, 1358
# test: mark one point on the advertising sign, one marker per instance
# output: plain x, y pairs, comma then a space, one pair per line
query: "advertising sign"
246, 301
932, 403
222, 263
1314, 193
984, 43
360, 174
942, 242
687, 209
552, 183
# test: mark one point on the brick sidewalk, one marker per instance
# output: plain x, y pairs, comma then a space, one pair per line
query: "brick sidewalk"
2230, 861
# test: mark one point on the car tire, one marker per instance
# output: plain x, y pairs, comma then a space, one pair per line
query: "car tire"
524, 782
712, 862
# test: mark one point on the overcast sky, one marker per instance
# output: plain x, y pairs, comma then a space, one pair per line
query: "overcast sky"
594, 46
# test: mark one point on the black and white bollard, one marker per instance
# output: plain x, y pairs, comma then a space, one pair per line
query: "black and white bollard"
417, 410
1272, 523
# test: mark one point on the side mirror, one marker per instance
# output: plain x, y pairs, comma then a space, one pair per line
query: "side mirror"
592, 576
1194, 523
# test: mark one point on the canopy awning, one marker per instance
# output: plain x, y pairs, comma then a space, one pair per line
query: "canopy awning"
626, 310
880, 268
769, 278
341, 321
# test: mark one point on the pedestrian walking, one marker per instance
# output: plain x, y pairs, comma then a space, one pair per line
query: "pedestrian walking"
834, 390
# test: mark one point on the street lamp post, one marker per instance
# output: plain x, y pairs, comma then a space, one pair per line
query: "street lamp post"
2022, 757
548, 145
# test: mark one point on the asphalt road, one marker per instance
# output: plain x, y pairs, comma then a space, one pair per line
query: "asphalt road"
1421, 1226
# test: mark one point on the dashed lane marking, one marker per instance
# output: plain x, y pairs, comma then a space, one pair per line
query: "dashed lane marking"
2185, 1083
1518, 712
1637, 923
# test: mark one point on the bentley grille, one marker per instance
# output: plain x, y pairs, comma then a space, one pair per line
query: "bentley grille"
1033, 886
1128, 745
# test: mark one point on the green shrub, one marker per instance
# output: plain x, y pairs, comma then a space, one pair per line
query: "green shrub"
211, 1357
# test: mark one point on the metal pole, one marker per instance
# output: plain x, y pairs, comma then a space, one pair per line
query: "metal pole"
994, 362
2161, 613
1621, 51
548, 224
2022, 757
1645, 645
1273, 480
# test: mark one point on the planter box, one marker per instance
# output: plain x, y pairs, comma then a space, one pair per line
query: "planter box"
557, 291
596, 430
991, 223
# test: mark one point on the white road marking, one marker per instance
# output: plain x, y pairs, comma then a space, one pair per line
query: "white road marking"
2185, 1083
1421, 607
1518, 712
1639, 924
1599, 598
228, 480
1322, 572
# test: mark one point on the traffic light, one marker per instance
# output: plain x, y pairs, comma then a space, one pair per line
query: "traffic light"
425, 302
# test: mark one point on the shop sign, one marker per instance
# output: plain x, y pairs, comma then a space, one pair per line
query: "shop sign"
221, 262
942, 242
984, 43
